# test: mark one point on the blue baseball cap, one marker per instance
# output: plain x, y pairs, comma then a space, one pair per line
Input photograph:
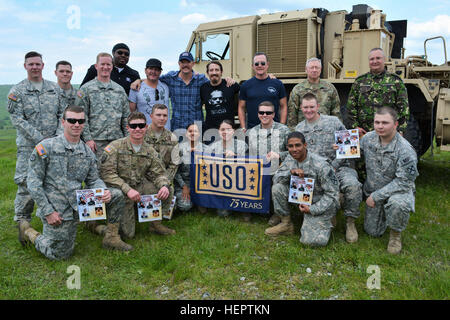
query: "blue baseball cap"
186, 56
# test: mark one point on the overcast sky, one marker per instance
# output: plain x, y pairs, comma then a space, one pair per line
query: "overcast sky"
161, 29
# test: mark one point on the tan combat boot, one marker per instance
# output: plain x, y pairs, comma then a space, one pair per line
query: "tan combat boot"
395, 242
351, 234
23, 225
31, 235
285, 227
112, 239
96, 228
158, 228
274, 220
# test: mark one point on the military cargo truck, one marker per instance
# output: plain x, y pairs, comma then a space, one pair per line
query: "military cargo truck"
342, 41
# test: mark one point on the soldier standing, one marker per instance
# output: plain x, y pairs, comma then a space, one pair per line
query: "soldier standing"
106, 106
57, 168
375, 89
35, 109
326, 93
317, 226
126, 164
63, 73
391, 164
319, 132
166, 145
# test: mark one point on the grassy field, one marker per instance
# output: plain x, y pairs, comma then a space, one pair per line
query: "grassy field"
216, 258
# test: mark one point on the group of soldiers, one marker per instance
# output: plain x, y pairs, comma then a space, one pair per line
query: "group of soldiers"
65, 139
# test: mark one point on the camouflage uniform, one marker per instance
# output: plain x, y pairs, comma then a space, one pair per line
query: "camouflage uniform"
320, 139
239, 147
182, 177
391, 171
53, 177
327, 97
316, 228
371, 91
106, 107
69, 97
36, 115
262, 141
123, 169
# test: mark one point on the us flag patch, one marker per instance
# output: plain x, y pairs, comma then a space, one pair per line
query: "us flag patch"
40, 150
12, 97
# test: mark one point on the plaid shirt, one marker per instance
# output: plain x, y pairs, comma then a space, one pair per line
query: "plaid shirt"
186, 102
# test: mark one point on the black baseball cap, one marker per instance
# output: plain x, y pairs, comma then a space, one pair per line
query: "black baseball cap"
153, 63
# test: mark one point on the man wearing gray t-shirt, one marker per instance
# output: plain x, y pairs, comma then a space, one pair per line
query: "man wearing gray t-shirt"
151, 92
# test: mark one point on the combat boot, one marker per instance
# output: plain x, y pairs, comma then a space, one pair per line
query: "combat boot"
112, 239
351, 234
96, 228
285, 227
395, 242
31, 235
23, 225
158, 228
274, 220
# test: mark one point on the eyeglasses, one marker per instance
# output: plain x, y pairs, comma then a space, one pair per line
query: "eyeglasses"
156, 94
259, 63
122, 53
73, 121
137, 125
265, 112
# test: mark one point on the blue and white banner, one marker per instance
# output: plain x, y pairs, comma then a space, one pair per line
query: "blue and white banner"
236, 183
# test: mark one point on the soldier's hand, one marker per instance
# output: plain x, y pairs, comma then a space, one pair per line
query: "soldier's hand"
106, 196
370, 202
134, 195
186, 193
272, 155
361, 132
54, 219
335, 147
91, 144
136, 85
304, 208
229, 154
163, 193
298, 172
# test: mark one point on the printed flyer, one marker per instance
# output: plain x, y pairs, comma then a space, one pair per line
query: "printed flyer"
149, 208
348, 144
301, 190
90, 205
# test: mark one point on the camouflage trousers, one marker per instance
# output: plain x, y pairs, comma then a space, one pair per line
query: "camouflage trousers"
392, 213
129, 213
58, 242
182, 204
351, 188
23, 204
315, 230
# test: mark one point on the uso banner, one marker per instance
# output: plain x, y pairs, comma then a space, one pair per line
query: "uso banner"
236, 183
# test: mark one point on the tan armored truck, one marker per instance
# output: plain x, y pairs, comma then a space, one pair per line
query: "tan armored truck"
342, 41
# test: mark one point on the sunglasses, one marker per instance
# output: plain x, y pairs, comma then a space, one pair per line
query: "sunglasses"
156, 94
73, 121
259, 63
265, 112
122, 53
137, 125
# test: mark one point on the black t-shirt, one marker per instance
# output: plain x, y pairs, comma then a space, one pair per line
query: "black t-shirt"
220, 103
124, 78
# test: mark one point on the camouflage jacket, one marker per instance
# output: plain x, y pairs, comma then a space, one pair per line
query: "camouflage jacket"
68, 98
166, 145
106, 106
390, 169
262, 141
239, 147
123, 168
326, 185
371, 91
56, 170
327, 97
320, 138
35, 114
182, 176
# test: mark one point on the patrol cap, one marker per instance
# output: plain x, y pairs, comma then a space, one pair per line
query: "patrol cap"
153, 63
186, 56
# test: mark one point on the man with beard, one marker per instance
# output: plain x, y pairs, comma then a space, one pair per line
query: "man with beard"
220, 101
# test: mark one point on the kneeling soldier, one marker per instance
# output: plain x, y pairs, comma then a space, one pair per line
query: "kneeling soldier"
317, 225
58, 166
127, 164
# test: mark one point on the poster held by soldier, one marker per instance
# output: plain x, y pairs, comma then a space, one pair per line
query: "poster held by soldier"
168, 215
90, 205
348, 144
301, 190
149, 208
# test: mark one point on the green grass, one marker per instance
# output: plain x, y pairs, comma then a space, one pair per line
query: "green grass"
225, 258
